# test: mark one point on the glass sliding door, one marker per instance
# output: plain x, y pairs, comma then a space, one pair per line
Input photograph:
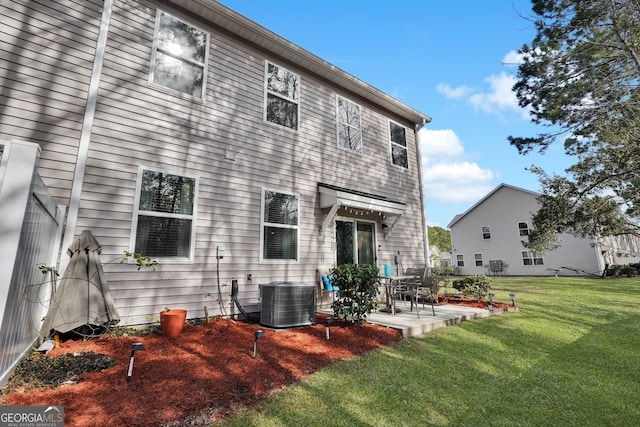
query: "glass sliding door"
355, 242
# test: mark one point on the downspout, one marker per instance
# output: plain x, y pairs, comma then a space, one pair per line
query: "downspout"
422, 203
85, 135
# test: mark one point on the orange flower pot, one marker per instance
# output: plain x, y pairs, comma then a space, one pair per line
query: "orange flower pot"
172, 322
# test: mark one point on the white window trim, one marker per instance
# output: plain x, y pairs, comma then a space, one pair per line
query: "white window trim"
392, 143
533, 257
361, 152
475, 260
488, 227
262, 260
459, 259
266, 91
137, 212
205, 65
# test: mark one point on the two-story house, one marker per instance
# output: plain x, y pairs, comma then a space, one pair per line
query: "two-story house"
184, 131
487, 239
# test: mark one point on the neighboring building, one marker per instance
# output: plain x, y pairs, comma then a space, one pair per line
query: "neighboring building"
184, 131
487, 239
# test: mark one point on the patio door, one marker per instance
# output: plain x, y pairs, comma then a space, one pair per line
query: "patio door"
355, 242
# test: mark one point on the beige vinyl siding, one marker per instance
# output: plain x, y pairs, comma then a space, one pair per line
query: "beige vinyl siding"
45, 68
136, 124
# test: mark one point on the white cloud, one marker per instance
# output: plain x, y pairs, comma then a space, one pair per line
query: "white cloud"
454, 93
441, 143
512, 59
447, 175
499, 98
495, 99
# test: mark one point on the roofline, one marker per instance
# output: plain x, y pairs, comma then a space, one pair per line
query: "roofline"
233, 22
458, 217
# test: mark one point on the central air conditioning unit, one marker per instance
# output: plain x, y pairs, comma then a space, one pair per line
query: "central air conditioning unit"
287, 304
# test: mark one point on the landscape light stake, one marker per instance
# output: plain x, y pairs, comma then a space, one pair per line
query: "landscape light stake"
490, 304
136, 346
257, 334
327, 322
513, 299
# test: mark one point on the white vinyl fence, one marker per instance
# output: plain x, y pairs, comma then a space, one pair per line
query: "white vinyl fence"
30, 226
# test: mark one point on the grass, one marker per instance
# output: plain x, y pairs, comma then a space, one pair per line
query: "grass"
569, 357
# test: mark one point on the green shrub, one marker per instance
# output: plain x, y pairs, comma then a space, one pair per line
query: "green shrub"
358, 285
476, 286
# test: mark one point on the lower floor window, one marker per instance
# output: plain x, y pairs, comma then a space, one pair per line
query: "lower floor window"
478, 258
164, 215
279, 226
529, 258
460, 260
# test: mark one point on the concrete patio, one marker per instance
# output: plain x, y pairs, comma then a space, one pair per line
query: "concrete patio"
408, 323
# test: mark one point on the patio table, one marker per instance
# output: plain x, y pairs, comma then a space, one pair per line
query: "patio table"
391, 283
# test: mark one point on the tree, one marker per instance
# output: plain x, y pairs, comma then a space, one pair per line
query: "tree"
440, 238
579, 78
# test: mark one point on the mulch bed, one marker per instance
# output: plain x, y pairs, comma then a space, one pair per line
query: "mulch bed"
204, 374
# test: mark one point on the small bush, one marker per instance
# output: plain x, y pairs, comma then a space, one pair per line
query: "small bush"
358, 285
476, 286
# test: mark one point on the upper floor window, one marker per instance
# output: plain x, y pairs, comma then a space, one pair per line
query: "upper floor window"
523, 228
282, 96
460, 260
349, 126
179, 58
398, 136
478, 259
486, 232
529, 258
164, 215
279, 226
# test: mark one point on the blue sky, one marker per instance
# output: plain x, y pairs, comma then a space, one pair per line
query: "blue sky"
448, 59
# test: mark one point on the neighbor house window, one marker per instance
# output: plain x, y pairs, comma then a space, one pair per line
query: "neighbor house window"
164, 215
279, 226
349, 126
478, 259
529, 258
523, 228
282, 96
179, 58
486, 232
398, 136
460, 260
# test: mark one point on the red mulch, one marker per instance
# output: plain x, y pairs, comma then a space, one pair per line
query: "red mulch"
204, 374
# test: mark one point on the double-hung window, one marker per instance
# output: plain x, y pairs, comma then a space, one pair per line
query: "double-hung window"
349, 126
398, 136
478, 259
164, 215
279, 226
523, 228
282, 96
460, 260
179, 59
486, 232
530, 258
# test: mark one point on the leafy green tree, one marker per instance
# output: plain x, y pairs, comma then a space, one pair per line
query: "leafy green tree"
579, 78
440, 238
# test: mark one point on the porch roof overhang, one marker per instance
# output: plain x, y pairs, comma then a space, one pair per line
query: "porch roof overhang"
336, 197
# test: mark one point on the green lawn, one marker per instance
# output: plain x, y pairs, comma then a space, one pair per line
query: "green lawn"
569, 357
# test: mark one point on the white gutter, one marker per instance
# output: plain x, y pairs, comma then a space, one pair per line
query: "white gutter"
85, 136
427, 258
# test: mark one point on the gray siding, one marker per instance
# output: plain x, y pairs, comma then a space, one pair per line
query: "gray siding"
46, 55
137, 124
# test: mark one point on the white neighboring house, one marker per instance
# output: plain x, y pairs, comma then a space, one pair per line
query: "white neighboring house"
487, 239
